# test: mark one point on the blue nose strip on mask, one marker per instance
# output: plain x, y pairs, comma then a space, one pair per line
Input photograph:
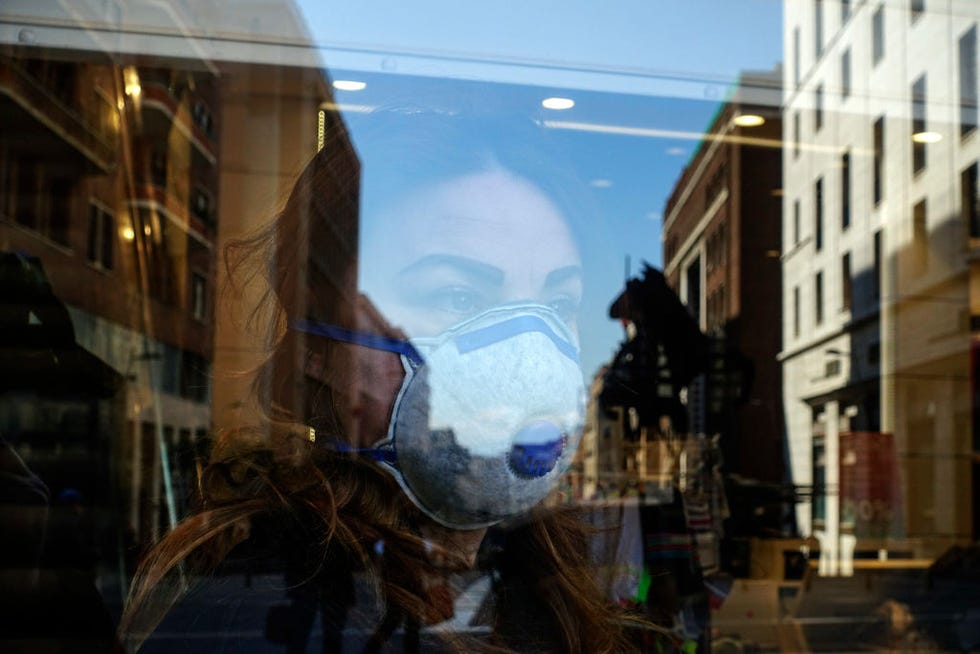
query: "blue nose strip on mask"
516, 326
536, 449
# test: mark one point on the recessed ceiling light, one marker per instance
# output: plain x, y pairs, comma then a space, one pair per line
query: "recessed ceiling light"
348, 85
558, 104
749, 120
927, 137
347, 107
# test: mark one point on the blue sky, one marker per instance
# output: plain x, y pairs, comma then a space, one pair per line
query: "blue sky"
647, 64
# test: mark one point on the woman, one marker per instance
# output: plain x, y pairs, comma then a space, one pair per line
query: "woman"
410, 404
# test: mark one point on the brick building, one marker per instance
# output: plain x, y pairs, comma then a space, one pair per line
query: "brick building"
721, 239
112, 171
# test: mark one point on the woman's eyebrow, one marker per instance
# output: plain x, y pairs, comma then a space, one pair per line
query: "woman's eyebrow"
479, 271
562, 275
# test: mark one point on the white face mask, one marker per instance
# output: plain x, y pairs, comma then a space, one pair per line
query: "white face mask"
489, 414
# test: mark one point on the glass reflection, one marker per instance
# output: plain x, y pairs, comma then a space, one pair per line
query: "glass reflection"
783, 398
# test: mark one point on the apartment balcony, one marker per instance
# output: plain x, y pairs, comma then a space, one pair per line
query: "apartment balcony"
158, 99
150, 197
37, 120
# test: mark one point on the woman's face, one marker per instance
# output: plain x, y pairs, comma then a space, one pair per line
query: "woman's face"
448, 252
454, 249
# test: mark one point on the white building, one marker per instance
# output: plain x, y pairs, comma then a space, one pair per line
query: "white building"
879, 220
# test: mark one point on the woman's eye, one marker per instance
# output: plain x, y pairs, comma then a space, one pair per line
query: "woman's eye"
458, 300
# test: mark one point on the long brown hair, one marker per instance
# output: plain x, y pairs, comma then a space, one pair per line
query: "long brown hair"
547, 595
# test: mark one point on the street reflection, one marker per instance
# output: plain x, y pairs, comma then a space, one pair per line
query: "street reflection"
779, 434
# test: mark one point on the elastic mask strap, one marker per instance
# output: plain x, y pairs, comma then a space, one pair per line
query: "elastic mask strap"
379, 454
373, 341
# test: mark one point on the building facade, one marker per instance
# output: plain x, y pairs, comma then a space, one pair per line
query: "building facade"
111, 175
879, 206
119, 206
721, 240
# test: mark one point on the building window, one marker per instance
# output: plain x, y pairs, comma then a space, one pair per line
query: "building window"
847, 284
694, 290
918, 124
158, 168
723, 244
718, 245
796, 222
845, 74
195, 377
60, 191
969, 208
968, 81
199, 305
878, 35
876, 281
917, 7
818, 214
796, 56
819, 455
716, 308
920, 238
26, 193
202, 205
796, 311
845, 190
818, 109
201, 115
818, 27
845, 11
832, 367
101, 236
716, 184
162, 276
818, 297
796, 135
879, 158
41, 200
